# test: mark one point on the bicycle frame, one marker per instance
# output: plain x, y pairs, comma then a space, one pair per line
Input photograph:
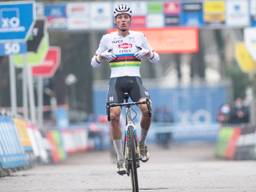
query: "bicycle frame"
130, 150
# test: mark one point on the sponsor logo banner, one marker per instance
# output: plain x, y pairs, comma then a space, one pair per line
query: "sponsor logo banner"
172, 8
237, 13
250, 41
138, 22
214, 11
173, 40
56, 15
78, 15
171, 20
192, 14
101, 15
155, 7
155, 20
139, 8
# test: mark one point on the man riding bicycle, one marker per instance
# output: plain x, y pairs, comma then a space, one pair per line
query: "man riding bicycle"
124, 50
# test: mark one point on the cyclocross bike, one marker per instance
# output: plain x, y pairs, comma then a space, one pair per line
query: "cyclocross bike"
131, 149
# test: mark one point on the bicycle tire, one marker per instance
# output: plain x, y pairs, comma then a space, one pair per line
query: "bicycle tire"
133, 160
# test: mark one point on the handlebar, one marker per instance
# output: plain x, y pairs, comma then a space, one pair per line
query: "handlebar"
126, 104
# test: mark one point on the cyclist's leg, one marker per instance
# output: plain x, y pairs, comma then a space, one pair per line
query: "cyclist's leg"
114, 95
140, 93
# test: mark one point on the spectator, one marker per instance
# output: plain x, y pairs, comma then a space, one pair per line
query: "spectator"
240, 112
224, 114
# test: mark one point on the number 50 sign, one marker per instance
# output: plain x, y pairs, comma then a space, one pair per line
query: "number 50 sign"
12, 48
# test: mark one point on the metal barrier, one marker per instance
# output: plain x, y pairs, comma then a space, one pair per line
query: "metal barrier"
12, 153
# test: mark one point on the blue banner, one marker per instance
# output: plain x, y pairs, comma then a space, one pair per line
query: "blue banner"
184, 104
62, 119
56, 15
192, 14
16, 20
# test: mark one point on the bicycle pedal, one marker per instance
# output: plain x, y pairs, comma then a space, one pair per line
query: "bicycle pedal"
121, 172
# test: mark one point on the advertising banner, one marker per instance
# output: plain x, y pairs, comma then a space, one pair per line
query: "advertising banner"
172, 13
246, 144
237, 13
171, 20
192, 13
155, 20
172, 8
56, 15
250, 41
138, 22
139, 8
173, 40
155, 7
21, 126
101, 15
16, 20
253, 12
244, 58
214, 11
78, 15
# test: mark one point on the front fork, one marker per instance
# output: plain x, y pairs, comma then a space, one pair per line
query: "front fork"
127, 149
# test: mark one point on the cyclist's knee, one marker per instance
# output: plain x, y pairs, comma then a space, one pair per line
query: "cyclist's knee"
114, 114
146, 108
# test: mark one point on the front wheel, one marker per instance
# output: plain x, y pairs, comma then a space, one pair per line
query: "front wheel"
133, 160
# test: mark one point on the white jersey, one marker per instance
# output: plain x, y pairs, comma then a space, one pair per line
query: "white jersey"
125, 63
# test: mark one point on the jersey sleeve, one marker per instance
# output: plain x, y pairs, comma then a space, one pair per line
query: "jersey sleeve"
144, 44
102, 47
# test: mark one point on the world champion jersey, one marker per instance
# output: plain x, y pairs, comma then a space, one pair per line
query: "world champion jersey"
125, 63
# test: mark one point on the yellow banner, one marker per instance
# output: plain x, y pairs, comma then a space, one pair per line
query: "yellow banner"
244, 59
214, 11
22, 131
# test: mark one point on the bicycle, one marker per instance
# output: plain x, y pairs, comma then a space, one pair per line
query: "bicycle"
130, 147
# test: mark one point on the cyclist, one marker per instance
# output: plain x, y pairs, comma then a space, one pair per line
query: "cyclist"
124, 50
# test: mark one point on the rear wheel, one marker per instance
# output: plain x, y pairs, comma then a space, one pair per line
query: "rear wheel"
133, 160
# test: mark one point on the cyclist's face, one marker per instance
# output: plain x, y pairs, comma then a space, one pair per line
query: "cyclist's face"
123, 22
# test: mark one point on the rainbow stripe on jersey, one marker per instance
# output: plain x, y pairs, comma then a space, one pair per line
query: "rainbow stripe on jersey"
125, 60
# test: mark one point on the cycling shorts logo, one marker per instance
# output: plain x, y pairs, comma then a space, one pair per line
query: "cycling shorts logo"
125, 45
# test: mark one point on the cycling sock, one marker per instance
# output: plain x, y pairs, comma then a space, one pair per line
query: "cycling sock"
144, 133
118, 145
